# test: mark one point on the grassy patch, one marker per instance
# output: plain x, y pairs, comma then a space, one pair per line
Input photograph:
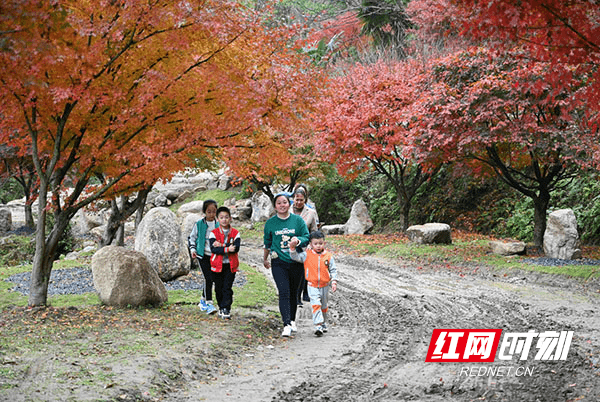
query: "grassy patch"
257, 292
219, 196
74, 347
466, 248
255, 233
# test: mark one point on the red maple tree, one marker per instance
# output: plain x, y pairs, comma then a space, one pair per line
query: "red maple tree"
364, 120
494, 109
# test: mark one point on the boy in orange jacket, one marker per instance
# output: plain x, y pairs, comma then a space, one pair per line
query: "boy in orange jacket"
319, 271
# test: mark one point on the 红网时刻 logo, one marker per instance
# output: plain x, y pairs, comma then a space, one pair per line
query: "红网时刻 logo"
483, 345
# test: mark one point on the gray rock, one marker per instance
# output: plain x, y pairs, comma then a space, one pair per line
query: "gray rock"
561, 239
185, 195
159, 238
241, 210
204, 179
5, 220
430, 233
194, 207
186, 228
262, 208
359, 222
333, 229
125, 278
224, 183
160, 200
507, 248
84, 221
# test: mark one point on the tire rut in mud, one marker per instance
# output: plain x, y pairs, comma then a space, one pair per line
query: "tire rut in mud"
397, 324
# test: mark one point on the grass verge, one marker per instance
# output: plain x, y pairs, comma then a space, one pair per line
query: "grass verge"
466, 249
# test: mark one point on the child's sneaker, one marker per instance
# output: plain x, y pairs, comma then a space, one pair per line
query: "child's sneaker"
210, 309
225, 314
318, 330
203, 305
294, 327
324, 327
287, 331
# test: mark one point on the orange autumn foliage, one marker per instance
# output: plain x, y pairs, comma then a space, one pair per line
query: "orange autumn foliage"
130, 92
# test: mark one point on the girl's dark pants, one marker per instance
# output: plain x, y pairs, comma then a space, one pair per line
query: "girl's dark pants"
288, 277
224, 286
204, 263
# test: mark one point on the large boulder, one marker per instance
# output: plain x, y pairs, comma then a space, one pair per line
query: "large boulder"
430, 233
186, 228
206, 180
507, 248
5, 220
158, 237
125, 278
561, 239
359, 222
224, 182
262, 208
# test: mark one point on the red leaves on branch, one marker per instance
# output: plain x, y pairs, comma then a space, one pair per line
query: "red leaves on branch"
561, 33
363, 114
477, 99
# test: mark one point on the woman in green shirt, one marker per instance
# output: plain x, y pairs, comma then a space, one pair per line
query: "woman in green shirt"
281, 230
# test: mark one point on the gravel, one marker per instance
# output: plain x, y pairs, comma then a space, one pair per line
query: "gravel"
552, 262
79, 280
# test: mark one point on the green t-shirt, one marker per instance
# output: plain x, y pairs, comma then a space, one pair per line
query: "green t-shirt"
278, 233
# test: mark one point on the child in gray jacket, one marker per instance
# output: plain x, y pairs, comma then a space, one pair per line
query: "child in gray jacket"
319, 270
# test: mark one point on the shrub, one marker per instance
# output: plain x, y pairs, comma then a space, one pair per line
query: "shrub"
15, 250
333, 197
583, 197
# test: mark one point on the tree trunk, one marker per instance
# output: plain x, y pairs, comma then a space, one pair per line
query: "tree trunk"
404, 220
120, 211
139, 213
45, 249
40, 273
29, 216
120, 236
404, 208
540, 205
113, 224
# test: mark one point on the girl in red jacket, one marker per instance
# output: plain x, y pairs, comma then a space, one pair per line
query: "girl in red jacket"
224, 244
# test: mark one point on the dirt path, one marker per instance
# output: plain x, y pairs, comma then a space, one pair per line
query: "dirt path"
383, 317
384, 314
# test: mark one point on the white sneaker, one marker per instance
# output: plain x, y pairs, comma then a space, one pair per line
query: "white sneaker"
287, 331
294, 327
319, 330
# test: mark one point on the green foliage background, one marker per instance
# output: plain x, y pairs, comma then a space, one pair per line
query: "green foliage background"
486, 206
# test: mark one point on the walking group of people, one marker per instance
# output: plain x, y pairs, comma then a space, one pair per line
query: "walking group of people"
294, 251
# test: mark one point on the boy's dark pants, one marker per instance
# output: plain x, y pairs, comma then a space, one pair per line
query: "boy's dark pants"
224, 286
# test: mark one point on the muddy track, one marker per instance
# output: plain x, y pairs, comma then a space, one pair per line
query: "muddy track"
384, 314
